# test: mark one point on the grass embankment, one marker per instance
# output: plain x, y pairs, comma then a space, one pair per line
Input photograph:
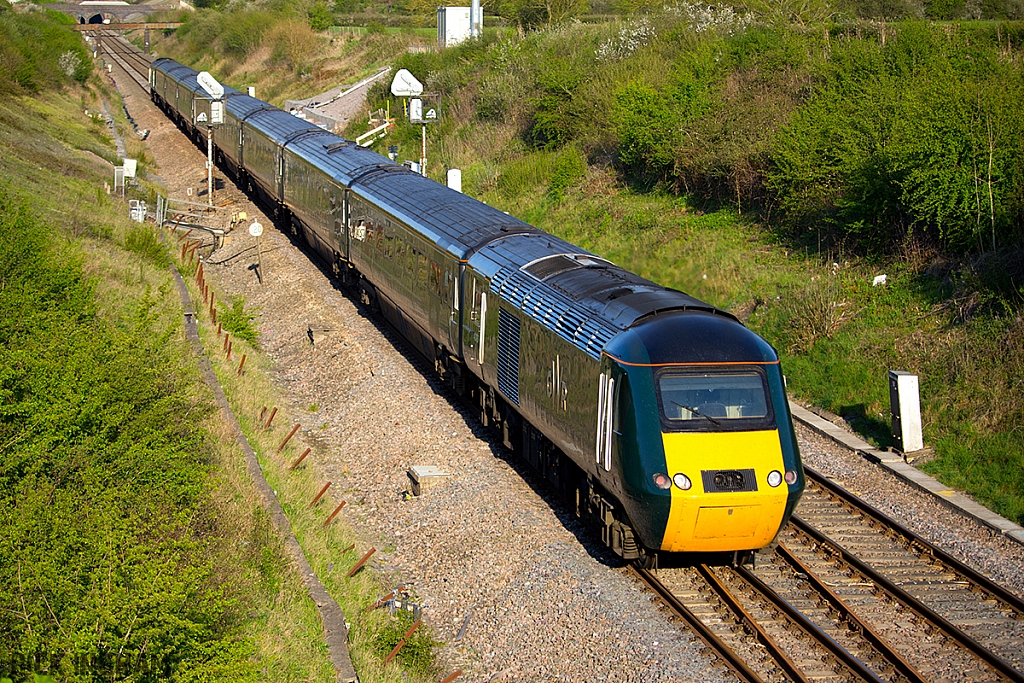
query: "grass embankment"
333, 550
134, 546
281, 55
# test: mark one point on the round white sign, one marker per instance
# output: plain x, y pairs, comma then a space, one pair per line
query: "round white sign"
255, 229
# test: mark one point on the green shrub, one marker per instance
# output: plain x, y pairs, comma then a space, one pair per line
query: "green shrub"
238, 321
570, 167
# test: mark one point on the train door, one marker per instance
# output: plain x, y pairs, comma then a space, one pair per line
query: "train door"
337, 220
279, 179
474, 321
609, 429
453, 279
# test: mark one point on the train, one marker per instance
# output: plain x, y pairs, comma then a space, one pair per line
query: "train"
661, 419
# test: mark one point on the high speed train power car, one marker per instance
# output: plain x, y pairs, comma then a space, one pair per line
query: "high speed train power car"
661, 418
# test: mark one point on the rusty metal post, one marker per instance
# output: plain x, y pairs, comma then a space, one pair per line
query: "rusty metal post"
455, 674
300, 458
334, 514
360, 563
224, 347
351, 547
230, 345
402, 642
382, 600
321, 494
271, 418
239, 373
288, 438
218, 331
213, 311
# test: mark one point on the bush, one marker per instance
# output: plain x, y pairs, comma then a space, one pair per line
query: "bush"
39, 52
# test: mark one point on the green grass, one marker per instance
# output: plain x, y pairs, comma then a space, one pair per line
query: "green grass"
55, 163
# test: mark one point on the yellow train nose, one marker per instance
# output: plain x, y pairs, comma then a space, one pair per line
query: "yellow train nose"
731, 504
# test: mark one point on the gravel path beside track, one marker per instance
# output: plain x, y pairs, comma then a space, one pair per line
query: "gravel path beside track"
546, 603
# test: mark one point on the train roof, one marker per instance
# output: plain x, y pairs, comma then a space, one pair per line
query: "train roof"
186, 75
581, 297
342, 160
453, 221
278, 125
241, 105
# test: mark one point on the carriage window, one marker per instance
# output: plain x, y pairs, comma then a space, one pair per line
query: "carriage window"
696, 400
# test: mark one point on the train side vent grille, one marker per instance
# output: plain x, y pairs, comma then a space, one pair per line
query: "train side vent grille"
508, 355
728, 481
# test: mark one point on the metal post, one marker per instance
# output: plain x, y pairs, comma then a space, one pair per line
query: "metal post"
259, 260
209, 166
423, 159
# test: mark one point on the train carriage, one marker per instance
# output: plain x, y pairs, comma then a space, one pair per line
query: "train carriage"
227, 137
318, 172
265, 132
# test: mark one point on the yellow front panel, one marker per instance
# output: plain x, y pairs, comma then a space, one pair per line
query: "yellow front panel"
745, 520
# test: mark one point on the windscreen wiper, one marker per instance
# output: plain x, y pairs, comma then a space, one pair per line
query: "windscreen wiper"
696, 412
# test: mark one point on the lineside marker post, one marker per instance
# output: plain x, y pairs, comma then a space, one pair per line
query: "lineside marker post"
382, 600
321, 494
334, 514
402, 642
288, 438
304, 453
360, 563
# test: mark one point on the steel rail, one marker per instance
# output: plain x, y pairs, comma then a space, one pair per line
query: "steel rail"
773, 648
722, 650
979, 580
880, 644
130, 70
841, 654
912, 603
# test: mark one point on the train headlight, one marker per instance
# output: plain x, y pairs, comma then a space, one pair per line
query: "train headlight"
682, 481
791, 476
774, 478
662, 481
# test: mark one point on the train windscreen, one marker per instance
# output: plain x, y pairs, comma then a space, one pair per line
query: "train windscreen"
710, 400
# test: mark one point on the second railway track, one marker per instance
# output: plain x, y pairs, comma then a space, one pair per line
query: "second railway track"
849, 594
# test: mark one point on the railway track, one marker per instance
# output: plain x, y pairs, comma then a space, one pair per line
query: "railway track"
850, 595
125, 55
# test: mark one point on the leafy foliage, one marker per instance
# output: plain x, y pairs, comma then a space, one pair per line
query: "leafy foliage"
38, 52
104, 566
919, 135
238, 321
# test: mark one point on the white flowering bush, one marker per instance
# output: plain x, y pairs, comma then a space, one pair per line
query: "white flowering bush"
703, 18
69, 63
630, 38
